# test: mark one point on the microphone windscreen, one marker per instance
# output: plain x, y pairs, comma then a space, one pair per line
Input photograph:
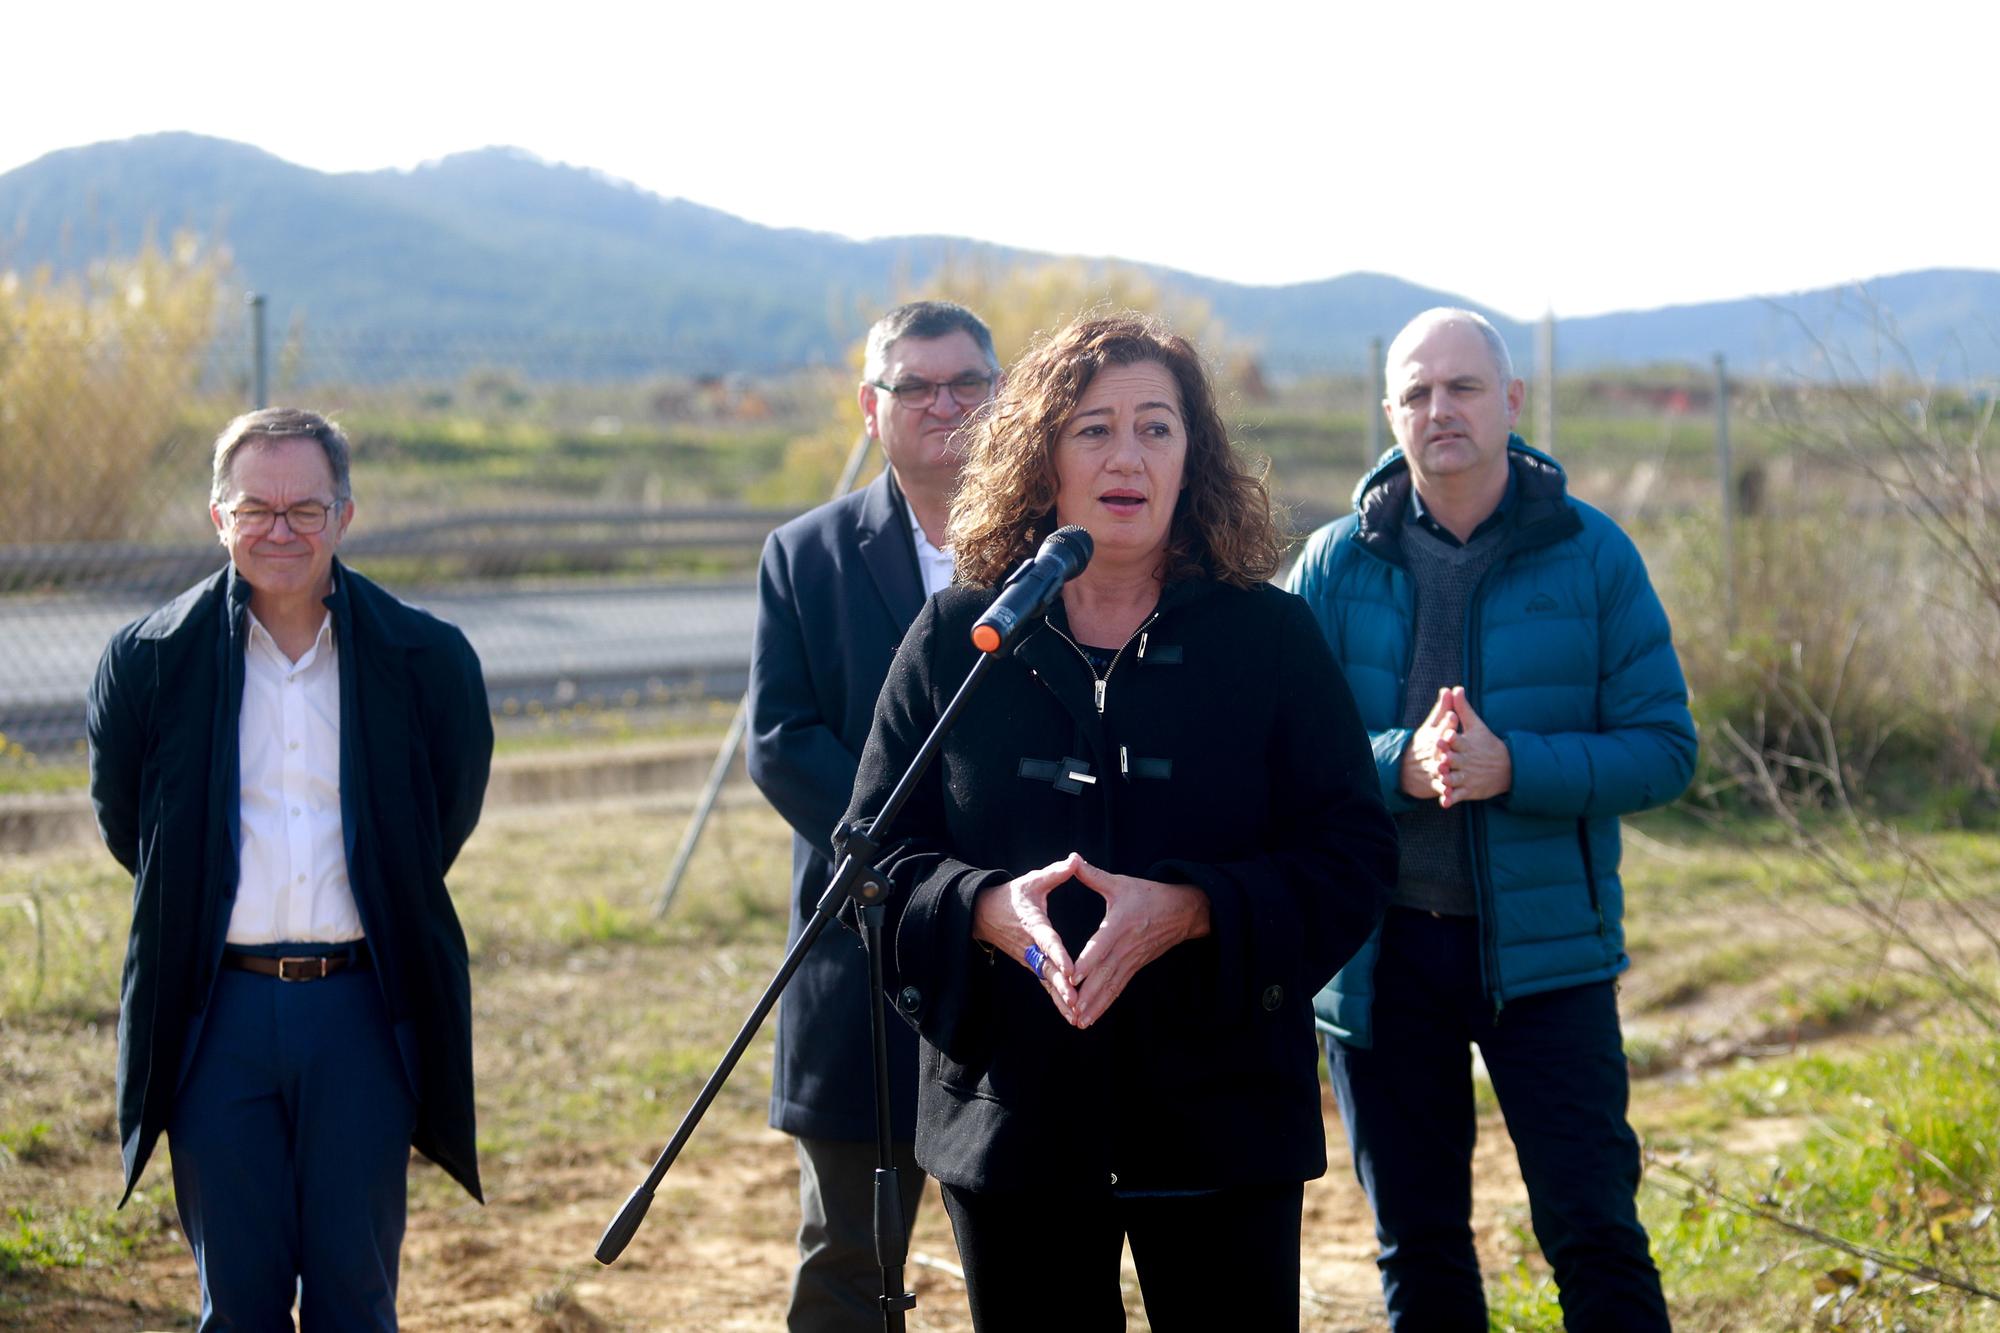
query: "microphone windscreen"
1075, 543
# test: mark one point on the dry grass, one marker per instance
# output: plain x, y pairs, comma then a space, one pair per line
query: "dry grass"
595, 1025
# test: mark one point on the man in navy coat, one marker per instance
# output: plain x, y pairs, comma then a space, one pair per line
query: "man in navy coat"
835, 592
288, 759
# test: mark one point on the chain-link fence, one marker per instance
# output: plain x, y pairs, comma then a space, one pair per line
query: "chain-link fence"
589, 510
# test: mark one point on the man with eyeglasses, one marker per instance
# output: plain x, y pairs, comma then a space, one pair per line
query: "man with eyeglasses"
288, 759
836, 590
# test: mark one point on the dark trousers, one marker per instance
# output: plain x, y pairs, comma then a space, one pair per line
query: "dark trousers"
291, 1153
1225, 1260
1557, 1062
838, 1285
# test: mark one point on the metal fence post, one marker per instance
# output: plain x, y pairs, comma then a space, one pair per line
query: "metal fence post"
732, 741
1728, 478
1545, 384
260, 364
718, 773
1377, 391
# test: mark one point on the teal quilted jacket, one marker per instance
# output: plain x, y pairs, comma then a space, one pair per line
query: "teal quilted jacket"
1570, 659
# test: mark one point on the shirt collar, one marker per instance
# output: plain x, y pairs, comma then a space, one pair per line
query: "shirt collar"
260, 640
1422, 516
925, 550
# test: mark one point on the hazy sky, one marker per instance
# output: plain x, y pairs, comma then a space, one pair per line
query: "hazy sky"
1528, 156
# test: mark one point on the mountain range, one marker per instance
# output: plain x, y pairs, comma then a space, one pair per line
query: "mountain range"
497, 246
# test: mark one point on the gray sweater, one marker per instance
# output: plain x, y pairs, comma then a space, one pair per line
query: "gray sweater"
1435, 871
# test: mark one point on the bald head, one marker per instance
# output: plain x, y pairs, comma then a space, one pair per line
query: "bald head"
1417, 329
1452, 403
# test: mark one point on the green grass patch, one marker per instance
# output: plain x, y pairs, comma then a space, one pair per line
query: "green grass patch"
41, 776
22, 771
1523, 1300
592, 920
36, 1239
1680, 867
625, 720
29, 1143
462, 459
63, 922
596, 1023
1841, 1002
1726, 964
1684, 866
1894, 1148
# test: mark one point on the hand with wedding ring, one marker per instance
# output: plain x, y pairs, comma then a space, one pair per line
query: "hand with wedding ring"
1143, 919
1014, 919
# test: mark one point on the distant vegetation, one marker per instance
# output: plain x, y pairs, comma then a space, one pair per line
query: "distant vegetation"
1833, 872
495, 245
1857, 627
94, 370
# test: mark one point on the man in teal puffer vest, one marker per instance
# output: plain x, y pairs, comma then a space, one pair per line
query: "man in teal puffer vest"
1518, 679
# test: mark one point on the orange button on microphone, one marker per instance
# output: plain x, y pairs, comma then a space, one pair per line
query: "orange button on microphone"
985, 638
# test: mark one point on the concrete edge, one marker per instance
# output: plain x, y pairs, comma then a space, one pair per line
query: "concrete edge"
50, 821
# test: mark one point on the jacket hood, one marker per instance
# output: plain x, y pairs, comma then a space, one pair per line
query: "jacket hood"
1542, 511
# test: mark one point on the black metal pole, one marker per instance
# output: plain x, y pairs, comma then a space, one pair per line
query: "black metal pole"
854, 878
260, 361
732, 741
892, 1236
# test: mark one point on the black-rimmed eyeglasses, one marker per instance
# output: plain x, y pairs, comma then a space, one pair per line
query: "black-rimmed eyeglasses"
966, 390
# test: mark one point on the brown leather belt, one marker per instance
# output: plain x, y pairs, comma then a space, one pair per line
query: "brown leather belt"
294, 969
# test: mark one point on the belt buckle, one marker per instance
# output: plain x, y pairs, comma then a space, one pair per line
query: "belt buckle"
309, 969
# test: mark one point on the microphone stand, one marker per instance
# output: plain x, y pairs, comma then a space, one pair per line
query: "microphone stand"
856, 879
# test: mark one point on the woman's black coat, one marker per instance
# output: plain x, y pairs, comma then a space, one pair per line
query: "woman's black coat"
1228, 755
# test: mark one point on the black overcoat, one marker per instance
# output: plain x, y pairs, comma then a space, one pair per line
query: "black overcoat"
836, 589
1227, 754
416, 743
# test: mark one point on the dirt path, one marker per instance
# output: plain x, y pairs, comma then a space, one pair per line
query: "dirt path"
715, 1252
595, 1025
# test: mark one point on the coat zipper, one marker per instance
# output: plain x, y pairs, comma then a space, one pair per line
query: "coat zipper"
1103, 682
1590, 872
1475, 824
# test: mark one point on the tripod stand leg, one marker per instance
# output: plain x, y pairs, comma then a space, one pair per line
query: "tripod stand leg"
854, 880
892, 1236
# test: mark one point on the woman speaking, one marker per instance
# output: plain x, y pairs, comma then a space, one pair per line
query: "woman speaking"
1153, 835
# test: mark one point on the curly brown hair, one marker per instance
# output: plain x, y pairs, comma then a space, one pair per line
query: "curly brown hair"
1005, 504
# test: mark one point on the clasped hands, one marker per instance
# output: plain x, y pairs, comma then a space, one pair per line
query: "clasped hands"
1143, 918
1453, 756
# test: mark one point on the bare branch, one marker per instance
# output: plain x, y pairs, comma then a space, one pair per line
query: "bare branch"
1743, 1207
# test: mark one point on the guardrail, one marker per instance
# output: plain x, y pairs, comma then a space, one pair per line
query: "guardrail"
490, 541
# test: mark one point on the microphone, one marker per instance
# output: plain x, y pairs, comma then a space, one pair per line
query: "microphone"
1030, 590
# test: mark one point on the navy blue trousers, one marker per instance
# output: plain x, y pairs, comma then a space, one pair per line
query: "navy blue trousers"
291, 1152
1557, 1062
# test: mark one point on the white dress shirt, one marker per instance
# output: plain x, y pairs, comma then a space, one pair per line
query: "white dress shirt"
933, 565
292, 861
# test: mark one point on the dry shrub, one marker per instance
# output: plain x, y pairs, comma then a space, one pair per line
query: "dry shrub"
1017, 301
95, 371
